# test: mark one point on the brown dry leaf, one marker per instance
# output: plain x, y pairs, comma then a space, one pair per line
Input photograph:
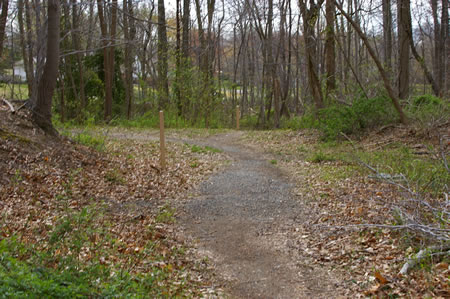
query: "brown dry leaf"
373, 290
381, 279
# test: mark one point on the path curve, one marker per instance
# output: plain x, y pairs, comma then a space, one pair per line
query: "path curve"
237, 219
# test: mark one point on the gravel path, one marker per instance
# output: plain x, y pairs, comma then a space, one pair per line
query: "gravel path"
244, 219
239, 219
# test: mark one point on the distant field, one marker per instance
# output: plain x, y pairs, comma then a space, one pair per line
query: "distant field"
14, 91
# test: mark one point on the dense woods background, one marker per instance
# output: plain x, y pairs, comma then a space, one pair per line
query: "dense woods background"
363, 62
94, 213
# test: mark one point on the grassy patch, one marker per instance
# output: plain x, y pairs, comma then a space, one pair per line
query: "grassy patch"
114, 176
14, 91
90, 140
320, 157
81, 259
204, 149
427, 173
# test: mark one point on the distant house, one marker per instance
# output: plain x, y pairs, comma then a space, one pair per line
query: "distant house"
16, 75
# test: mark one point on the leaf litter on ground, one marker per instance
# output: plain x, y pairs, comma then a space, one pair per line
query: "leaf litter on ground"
340, 194
115, 202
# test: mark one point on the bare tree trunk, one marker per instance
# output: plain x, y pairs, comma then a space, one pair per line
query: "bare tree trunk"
403, 9
185, 36
381, 70
178, 59
42, 109
108, 53
163, 83
3, 18
309, 16
76, 41
387, 34
206, 59
445, 31
23, 45
330, 52
129, 31
420, 60
438, 46
91, 23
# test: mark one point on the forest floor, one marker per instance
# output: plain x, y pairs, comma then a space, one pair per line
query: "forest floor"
242, 214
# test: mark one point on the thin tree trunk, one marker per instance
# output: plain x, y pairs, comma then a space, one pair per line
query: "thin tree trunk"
419, 59
129, 34
108, 53
445, 28
387, 34
309, 16
3, 19
23, 45
330, 52
383, 74
76, 40
403, 8
163, 83
438, 46
30, 46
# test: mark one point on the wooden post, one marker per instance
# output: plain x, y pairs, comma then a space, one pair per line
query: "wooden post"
162, 142
238, 116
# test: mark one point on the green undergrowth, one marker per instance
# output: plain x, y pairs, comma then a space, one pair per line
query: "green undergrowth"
423, 111
337, 160
150, 119
424, 173
204, 149
74, 261
88, 139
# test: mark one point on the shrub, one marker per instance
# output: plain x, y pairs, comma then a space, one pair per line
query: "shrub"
428, 110
336, 119
92, 141
374, 112
363, 114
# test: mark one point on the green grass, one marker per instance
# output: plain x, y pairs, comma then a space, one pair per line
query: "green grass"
14, 91
57, 271
204, 149
424, 172
319, 157
89, 140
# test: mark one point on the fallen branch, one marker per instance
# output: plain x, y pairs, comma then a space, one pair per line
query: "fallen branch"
410, 263
11, 107
432, 232
443, 153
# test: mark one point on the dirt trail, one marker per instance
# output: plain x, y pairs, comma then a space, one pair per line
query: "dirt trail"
242, 217
239, 220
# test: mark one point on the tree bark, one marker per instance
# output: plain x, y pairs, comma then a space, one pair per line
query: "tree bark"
108, 53
76, 41
42, 109
309, 19
129, 30
445, 31
185, 34
330, 51
24, 47
163, 82
387, 34
403, 10
438, 46
3, 19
